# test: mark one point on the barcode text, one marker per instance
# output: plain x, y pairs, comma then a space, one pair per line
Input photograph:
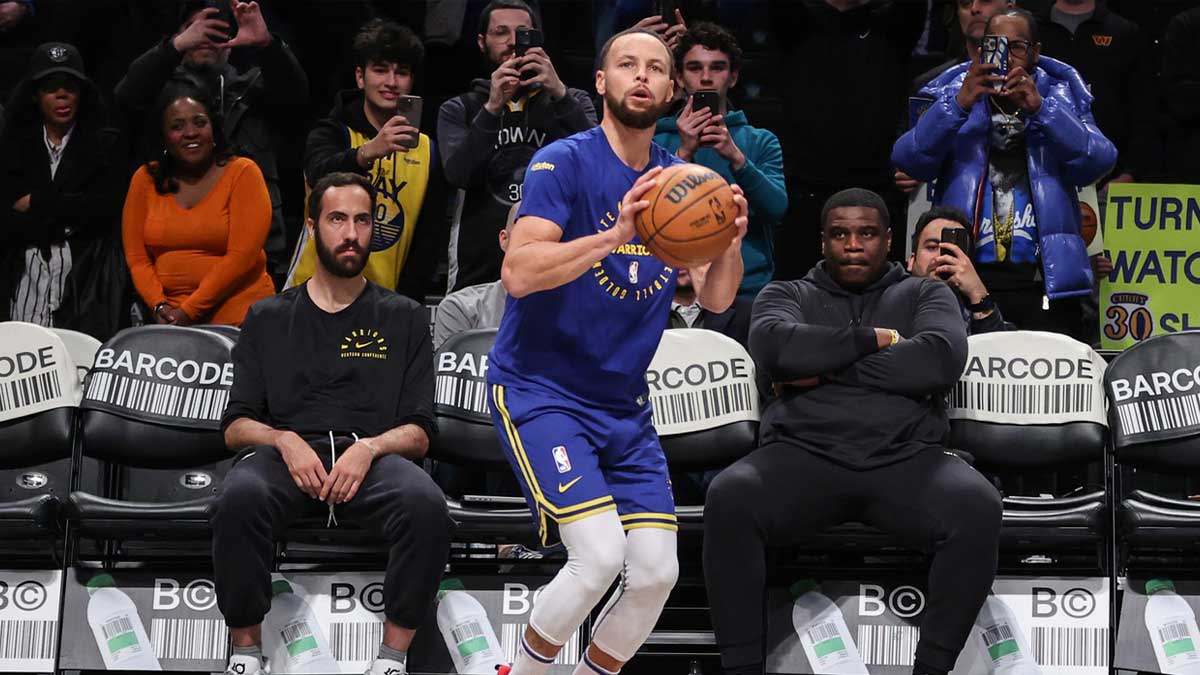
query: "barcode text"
30, 390
27, 639
887, 645
694, 406
157, 398
1070, 647
199, 639
458, 392
355, 640
1022, 399
1164, 414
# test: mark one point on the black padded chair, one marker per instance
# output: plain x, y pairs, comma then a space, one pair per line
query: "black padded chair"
467, 438
1030, 410
231, 332
1154, 394
151, 410
40, 390
706, 407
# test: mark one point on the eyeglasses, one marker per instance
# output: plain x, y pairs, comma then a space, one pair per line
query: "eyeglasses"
1019, 47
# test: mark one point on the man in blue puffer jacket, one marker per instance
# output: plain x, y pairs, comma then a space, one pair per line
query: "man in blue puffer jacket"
1011, 160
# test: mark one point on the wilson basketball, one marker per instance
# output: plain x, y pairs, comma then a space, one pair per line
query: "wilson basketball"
691, 215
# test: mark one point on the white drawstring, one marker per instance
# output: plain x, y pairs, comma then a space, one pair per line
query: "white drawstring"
331, 521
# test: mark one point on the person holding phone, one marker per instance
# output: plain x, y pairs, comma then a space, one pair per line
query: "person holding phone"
490, 133
374, 130
1012, 160
255, 102
707, 132
941, 250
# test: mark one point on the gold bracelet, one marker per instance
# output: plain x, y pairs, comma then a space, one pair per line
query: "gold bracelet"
895, 336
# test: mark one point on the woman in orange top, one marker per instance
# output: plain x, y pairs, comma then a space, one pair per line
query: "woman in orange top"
195, 221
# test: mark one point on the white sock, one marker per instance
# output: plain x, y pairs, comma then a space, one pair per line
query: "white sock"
530, 662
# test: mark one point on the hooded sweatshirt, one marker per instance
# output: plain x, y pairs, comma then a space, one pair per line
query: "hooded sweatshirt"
873, 407
761, 177
410, 202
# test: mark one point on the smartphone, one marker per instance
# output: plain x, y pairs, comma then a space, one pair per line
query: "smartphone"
527, 38
706, 99
224, 13
994, 49
666, 9
410, 108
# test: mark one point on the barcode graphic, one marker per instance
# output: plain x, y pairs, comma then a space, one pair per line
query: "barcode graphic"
1078, 647
887, 645
822, 632
27, 639
997, 633
30, 390
1176, 630
461, 393
1139, 417
1022, 399
510, 641
694, 406
466, 631
117, 626
156, 398
203, 639
355, 640
295, 631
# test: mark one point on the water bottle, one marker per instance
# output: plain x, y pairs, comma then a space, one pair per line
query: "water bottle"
300, 646
469, 635
1172, 627
823, 632
1003, 643
118, 628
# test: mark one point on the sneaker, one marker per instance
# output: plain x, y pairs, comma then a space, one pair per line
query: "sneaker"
245, 665
387, 667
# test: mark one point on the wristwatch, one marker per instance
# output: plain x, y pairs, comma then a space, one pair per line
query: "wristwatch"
984, 305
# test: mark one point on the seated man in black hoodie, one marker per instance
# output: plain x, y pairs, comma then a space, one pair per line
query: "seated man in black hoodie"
865, 353
367, 133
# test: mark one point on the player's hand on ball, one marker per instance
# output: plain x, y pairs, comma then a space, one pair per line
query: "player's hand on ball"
743, 219
633, 204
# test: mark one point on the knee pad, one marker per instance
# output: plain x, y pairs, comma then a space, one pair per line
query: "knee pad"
651, 570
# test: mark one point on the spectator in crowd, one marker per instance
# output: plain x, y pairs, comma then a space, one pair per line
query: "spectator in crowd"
865, 354
196, 218
686, 311
843, 78
253, 104
933, 259
365, 134
1012, 160
708, 59
490, 133
19, 32
478, 306
332, 397
59, 188
1113, 56
1181, 79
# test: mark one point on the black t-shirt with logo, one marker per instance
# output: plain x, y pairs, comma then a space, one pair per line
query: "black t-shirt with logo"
363, 370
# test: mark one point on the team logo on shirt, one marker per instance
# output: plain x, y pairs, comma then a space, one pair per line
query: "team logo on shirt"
364, 343
616, 267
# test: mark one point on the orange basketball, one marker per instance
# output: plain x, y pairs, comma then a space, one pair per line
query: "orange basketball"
691, 215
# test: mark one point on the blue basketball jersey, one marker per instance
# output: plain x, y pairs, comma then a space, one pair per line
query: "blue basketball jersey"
592, 339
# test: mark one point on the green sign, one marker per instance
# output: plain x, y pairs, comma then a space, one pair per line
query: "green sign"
1152, 236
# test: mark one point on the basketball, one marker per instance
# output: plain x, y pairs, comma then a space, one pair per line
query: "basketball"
691, 216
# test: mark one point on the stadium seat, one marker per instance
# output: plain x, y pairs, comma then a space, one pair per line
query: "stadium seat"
1154, 394
231, 332
152, 409
1030, 409
39, 397
705, 403
82, 348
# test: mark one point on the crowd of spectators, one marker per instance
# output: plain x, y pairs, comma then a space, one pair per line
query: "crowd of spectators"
210, 123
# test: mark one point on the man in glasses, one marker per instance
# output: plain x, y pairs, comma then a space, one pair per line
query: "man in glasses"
1009, 151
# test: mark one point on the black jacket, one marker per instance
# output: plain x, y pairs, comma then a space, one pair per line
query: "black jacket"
486, 155
733, 322
328, 149
843, 78
81, 204
872, 407
1181, 81
254, 105
1114, 58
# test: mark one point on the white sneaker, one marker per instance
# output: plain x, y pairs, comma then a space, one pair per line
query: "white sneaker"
240, 664
387, 667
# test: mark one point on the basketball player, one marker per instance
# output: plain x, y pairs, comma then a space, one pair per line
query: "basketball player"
587, 306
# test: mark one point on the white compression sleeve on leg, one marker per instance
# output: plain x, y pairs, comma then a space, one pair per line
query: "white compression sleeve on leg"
651, 569
595, 554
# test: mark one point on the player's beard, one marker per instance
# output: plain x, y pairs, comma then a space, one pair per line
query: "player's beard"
344, 268
632, 118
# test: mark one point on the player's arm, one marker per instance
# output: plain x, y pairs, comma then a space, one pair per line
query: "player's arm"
717, 282
538, 259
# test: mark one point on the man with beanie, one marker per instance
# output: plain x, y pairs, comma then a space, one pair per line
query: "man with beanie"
862, 354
